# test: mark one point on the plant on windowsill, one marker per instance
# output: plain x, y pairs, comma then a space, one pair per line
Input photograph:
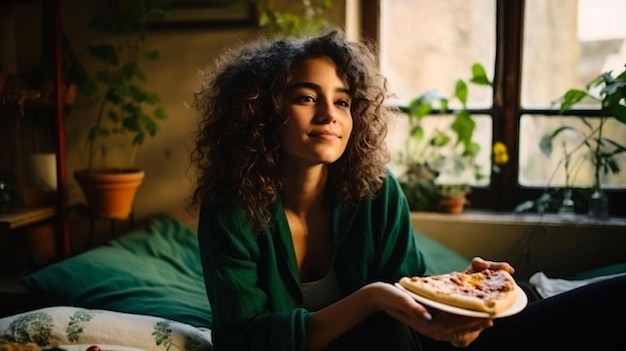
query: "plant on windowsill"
304, 18
453, 198
600, 151
125, 108
444, 159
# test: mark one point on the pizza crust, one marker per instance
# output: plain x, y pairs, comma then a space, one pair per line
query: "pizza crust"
488, 291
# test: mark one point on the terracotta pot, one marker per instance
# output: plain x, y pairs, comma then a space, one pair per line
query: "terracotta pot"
110, 193
452, 204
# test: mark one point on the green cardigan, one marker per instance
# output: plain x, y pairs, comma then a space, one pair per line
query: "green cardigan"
252, 280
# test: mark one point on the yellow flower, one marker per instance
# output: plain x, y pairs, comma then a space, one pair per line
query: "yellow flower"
499, 148
500, 156
501, 159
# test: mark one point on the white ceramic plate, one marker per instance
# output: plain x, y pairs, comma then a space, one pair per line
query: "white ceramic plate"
519, 304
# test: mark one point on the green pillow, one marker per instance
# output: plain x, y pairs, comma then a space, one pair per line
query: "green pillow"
439, 258
153, 271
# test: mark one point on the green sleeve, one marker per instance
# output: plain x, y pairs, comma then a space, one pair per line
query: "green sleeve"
397, 252
232, 265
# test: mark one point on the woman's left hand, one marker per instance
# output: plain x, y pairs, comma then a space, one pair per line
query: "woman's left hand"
478, 264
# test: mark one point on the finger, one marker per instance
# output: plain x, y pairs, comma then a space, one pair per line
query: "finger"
479, 264
501, 266
418, 308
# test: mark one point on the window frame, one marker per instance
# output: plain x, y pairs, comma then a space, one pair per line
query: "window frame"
504, 193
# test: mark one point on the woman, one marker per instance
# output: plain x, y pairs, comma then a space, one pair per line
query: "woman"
302, 229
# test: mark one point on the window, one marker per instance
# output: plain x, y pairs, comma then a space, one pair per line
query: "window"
534, 51
567, 44
433, 61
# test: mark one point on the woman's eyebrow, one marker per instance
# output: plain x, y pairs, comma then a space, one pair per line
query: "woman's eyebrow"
314, 86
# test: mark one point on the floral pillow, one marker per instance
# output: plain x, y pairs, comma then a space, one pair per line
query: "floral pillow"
59, 326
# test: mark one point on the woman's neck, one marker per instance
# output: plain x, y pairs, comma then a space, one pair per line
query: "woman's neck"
304, 189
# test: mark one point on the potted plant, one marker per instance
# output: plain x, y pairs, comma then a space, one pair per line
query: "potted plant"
125, 108
453, 197
443, 158
600, 152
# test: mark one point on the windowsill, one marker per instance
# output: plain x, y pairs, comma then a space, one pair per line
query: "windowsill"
551, 219
530, 242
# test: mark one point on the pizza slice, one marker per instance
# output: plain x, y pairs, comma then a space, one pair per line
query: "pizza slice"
490, 291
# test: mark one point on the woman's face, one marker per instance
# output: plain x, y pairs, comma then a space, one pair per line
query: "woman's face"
318, 106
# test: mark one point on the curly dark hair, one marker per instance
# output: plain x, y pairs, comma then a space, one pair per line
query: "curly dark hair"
241, 105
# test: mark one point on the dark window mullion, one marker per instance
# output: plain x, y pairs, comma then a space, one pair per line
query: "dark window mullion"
507, 86
565, 114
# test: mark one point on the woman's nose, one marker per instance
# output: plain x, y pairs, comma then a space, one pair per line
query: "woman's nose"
325, 111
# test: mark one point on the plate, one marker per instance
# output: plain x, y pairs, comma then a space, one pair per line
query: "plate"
519, 304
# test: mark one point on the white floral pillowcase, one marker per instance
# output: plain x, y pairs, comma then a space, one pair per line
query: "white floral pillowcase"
58, 326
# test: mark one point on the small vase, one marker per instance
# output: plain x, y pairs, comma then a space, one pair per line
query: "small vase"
598, 207
566, 211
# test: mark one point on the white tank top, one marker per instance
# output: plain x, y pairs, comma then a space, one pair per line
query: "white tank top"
320, 293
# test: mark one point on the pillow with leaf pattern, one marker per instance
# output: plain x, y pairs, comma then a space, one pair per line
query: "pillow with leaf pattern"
69, 327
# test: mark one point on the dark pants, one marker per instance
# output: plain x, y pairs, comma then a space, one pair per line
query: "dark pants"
592, 317
379, 332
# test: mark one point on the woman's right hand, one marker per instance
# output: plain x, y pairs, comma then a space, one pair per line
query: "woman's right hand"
438, 325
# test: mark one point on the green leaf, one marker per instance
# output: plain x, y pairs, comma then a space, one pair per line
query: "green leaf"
571, 97
599, 80
113, 116
417, 133
460, 91
463, 125
139, 138
131, 71
423, 104
471, 149
151, 98
160, 113
613, 105
545, 144
479, 75
444, 104
150, 126
131, 123
439, 140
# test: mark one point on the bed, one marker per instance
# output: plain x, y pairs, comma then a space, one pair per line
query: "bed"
142, 290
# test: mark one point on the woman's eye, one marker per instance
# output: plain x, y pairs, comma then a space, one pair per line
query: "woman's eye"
306, 99
343, 103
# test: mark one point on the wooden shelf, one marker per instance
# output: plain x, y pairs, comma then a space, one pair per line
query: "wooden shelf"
22, 217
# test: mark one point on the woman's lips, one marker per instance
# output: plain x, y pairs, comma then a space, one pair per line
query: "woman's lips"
324, 135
